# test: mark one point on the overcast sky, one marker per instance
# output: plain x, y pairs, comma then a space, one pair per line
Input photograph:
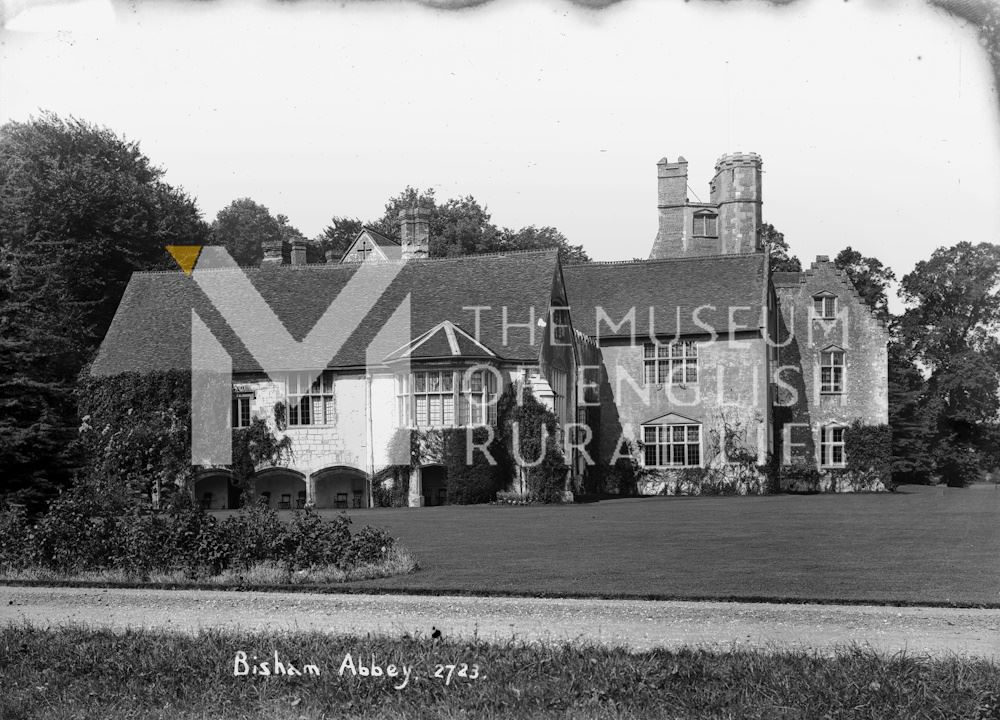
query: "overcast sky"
876, 120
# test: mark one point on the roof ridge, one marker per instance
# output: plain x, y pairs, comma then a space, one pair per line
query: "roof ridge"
313, 266
658, 261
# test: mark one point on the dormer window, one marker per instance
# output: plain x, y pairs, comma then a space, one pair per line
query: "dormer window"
825, 306
706, 224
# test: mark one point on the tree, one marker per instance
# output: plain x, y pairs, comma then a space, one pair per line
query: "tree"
338, 235
870, 277
956, 303
388, 224
461, 226
80, 210
913, 426
777, 246
243, 226
535, 238
99, 200
40, 342
951, 328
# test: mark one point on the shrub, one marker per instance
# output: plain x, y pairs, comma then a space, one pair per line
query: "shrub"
77, 533
804, 475
369, 545
146, 544
393, 489
310, 542
475, 482
868, 449
253, 536
15, 531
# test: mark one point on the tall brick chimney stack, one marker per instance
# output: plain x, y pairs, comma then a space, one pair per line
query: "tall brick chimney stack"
736, 190
415, 233
273, 252
671, 199
298, 252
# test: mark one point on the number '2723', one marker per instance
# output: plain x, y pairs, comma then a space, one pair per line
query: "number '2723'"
446, 672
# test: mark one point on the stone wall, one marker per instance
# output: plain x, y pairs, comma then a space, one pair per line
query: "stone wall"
801, 409
731, 393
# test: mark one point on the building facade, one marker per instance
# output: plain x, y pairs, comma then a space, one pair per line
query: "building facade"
697, 358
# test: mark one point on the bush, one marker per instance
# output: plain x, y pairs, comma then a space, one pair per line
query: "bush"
253, 535
369, 545
799, 475
15, 531
77, 533
392, 490
475, 482
310, 542
868, 449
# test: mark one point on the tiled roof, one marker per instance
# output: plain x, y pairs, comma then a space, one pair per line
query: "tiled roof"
380, 239
670, 290
152, 327
786, 279
445, 340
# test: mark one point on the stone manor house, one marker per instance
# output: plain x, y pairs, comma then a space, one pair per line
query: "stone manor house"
671, 362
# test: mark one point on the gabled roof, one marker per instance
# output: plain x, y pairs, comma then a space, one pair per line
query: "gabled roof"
152, 328
669, 290
389, 248
672, 419
444, 340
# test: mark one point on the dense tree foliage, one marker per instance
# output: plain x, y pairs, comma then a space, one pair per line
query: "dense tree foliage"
338, 236
871, 278
461, 226
777, 246
951, 328
80, 210
242, 227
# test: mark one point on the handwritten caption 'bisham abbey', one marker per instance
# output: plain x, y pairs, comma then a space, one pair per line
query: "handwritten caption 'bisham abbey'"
398, 674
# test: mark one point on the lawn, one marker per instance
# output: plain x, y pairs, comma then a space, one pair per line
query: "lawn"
919, 545
74, 673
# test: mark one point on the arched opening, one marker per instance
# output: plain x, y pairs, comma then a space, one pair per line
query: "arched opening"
434, 485
214, 490
340, 487
280, 488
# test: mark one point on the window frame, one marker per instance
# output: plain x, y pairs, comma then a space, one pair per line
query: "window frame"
704, 217
828, 444
237, 417
664, 362
300, 395
472, 398
668, 447
820, 301
837, 383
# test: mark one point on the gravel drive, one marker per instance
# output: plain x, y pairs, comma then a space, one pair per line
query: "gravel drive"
638, 624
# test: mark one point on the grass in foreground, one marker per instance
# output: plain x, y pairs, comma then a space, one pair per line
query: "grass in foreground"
398, 561
76, 673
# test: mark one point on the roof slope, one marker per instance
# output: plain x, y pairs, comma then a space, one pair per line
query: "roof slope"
152, 328
669, 290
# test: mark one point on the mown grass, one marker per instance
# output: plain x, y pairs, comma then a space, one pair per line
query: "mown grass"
67, 673
398, 561
922, 545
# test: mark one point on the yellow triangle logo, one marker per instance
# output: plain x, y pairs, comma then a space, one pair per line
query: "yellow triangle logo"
185, 255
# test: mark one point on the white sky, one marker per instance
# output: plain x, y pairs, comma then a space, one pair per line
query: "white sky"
876, 119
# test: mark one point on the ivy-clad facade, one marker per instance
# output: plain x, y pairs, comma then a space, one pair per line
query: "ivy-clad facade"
662, 374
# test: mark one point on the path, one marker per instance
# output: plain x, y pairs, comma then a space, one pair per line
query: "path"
639, 624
